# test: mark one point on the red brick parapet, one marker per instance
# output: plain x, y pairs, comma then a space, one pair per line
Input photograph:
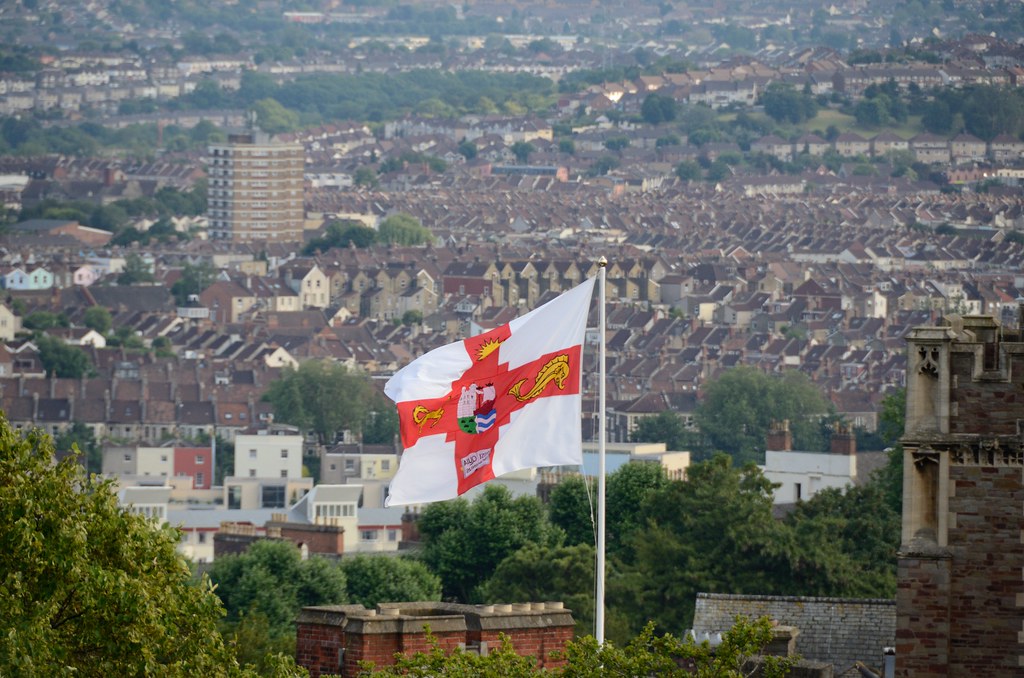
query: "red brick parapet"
334, 639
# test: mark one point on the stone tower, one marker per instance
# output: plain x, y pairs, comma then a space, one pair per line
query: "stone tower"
960, 598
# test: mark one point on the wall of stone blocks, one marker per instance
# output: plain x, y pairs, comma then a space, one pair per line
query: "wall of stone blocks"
835, 631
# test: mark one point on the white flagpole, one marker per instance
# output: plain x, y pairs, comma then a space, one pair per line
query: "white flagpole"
601, 436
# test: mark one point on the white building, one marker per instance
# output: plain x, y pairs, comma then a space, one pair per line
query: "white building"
800, 475
268, 455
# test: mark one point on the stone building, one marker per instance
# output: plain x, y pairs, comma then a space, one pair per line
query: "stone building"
960, 590
334, 639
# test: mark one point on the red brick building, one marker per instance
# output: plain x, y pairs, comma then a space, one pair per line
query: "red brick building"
334, 639
960, 596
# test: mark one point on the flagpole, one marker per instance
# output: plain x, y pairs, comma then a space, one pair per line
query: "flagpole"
601, 437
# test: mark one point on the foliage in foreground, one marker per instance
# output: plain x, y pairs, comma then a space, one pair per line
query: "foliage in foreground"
646, 655
88, 587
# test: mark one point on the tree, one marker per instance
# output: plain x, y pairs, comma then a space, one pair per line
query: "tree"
571, 508
616, 144
404, 229
688, 170
783, 103
665, 427
467, 149
385, 579
62, 360
658, 108
342, 233
522, 151
365, 176
322, 397
717, 530
627, 490
649, 655
194, 279
536, 572
274, 118
272, 579
44, 320
88, 587
97, 318
80, 436
135, 270
739, 406
464, 542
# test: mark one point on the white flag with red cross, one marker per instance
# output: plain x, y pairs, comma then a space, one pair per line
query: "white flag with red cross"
504, 400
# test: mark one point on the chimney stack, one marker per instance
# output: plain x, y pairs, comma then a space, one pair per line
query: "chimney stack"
779, 437
843, 440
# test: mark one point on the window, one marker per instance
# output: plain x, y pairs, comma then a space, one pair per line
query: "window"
392, 535
797, 491
252, 454
284, 454
127, 457
284, 473
350, 464
235, 497
273, 496
252, 473
200, 478
201, 536
200, 459
368, 535
163, 458
385, 465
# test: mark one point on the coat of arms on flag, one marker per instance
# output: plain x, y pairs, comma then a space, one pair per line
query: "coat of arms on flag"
504, 400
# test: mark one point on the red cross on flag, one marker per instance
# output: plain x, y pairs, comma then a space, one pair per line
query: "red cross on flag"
501, 401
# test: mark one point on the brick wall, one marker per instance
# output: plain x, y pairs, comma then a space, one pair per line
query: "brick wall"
960, 581
319, 539
834, 631
335, 639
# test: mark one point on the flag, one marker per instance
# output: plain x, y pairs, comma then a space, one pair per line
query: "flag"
501, 401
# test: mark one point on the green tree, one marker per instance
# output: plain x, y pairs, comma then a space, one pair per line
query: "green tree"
43, 320
272, 579
88, 587
665, 427
627, 490
274, 118
380, 421
467, 149
717, 530
194, 279
688, 170
365, 176
386, 579
740, 405
571, 508
650, 655
342, 234
404, 229
658, 108
322, 397
522, 151
537, 572
463, 542
136, 270
62, 360
97, 318
80, 435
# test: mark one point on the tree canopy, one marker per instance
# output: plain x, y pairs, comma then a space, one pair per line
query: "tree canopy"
739, 406
88, 587
464, 541
403, 229
322, 397
272, 579
385, 579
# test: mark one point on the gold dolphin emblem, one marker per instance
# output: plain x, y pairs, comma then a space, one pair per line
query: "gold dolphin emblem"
556, 370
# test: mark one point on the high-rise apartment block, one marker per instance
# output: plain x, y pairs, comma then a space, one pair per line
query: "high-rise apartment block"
255, 189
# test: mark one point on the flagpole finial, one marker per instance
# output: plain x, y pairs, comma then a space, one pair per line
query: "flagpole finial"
602, 262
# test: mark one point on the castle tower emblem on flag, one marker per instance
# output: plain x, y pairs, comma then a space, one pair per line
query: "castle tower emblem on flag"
476, 411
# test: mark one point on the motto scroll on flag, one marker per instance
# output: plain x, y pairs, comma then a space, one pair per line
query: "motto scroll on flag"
501, 401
